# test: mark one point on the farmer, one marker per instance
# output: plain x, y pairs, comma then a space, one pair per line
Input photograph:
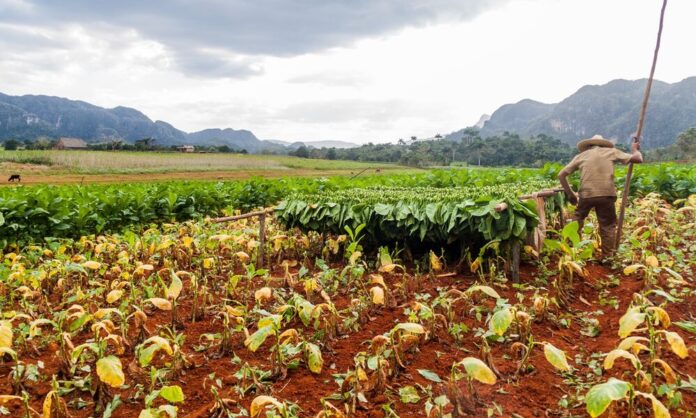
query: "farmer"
597, 191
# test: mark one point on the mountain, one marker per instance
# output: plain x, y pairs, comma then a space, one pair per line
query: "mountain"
242, 139
28, 117
314, 144
610, 109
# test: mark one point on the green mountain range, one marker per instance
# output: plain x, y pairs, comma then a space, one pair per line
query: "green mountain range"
610, 109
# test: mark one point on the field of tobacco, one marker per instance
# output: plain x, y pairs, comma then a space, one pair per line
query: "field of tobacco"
178, 320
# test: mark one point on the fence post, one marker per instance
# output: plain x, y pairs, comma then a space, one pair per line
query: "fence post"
262, 240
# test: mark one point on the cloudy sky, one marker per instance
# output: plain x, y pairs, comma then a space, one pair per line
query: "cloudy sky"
356, 70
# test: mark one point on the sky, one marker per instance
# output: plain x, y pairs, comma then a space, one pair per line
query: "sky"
352, 70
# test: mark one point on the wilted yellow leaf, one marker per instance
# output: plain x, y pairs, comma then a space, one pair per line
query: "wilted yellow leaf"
160, 303
677, 344
377, 294
264, 294
435, 263
619, 353
114, 295
632, 269
260, 402
110, 371
5, 334
242, 256
92, 265
478, 370
651, 261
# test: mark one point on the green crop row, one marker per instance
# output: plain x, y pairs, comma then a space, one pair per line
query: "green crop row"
423, 215
33, 213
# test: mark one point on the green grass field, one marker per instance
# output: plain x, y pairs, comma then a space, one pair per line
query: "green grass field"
122, 162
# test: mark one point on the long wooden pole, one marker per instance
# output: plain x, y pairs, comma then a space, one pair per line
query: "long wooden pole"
639, 130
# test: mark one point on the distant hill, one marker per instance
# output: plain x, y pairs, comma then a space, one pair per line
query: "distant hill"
314, 144
610, 110
28, 117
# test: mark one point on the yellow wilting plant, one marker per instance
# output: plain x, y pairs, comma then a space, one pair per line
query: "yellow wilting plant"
172, 290
273, 407
601, 396
109, 371
555, 356
655, 334
471, 369
53, 405
572, 256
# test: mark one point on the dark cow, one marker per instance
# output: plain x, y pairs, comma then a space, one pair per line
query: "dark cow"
15, 177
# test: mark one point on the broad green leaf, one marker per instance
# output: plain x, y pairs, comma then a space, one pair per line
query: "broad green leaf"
172, 393
430, 375
254, 341
478, 370
110, 371
409, 394
689, 326
150, 347
556, 357
501, 321
600, 396
630, 321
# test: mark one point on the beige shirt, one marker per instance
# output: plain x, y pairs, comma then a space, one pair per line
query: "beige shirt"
596, 167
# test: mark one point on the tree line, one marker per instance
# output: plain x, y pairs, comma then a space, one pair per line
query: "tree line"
507, 149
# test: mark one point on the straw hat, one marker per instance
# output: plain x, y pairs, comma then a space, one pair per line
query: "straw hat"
597, 140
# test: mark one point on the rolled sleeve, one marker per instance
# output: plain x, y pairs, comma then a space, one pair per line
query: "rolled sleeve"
622, 157
572, 166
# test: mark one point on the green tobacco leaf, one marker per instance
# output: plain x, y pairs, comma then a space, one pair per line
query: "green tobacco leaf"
556, 357
409, 394
501, 321
477, 369
689, 326
254, 341
430, 375
172, 393
600, 396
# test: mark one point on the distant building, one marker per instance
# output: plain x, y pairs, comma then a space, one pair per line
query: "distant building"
70, 144
186, 148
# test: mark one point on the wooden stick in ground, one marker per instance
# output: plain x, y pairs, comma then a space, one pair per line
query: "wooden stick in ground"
262, 240
639, 130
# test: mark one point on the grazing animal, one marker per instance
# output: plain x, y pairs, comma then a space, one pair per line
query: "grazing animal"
15, 177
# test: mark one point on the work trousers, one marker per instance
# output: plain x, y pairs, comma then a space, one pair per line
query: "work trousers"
605, 208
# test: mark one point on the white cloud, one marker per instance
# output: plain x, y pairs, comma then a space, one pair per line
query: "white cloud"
412, 76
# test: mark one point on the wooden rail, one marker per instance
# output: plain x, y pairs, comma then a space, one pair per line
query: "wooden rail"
261, 255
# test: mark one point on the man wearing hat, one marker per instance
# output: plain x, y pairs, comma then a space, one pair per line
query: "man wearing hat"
597, 190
